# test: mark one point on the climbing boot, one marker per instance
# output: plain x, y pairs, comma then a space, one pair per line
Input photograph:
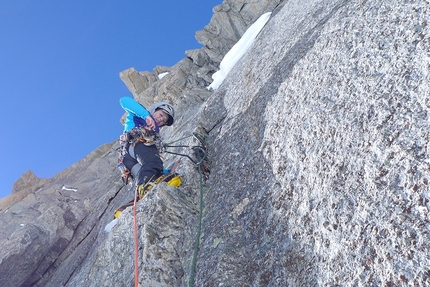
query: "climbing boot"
172, 179
120, 209
143, 189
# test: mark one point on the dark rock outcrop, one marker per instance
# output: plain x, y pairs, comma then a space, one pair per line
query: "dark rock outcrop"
318, 144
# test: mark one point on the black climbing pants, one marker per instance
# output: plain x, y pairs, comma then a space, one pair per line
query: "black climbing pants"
151, 165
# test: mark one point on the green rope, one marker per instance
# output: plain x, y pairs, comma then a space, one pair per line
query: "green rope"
199, 230
167, 144
199, 227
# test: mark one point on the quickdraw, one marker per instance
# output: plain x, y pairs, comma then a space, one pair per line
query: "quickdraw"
200, 154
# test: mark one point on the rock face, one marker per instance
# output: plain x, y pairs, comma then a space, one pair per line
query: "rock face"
319, 156
59, 222
27, 184
321, 162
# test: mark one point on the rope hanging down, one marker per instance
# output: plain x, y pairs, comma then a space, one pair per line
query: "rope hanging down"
136, 244
199, 231
200, 153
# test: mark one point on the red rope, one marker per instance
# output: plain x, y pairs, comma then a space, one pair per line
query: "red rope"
136, 245
175, 166
136, 239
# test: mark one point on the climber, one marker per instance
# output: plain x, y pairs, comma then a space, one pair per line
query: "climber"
139, 158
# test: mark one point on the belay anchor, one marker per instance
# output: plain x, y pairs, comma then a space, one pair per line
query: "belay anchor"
200, 153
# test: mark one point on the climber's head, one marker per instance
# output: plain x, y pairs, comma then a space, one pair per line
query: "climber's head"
163, 113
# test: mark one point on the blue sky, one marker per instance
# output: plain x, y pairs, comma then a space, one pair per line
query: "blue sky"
59, 73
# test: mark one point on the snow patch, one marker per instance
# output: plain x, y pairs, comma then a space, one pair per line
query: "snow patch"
160, 76
237, 51
110, 225
69, 188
